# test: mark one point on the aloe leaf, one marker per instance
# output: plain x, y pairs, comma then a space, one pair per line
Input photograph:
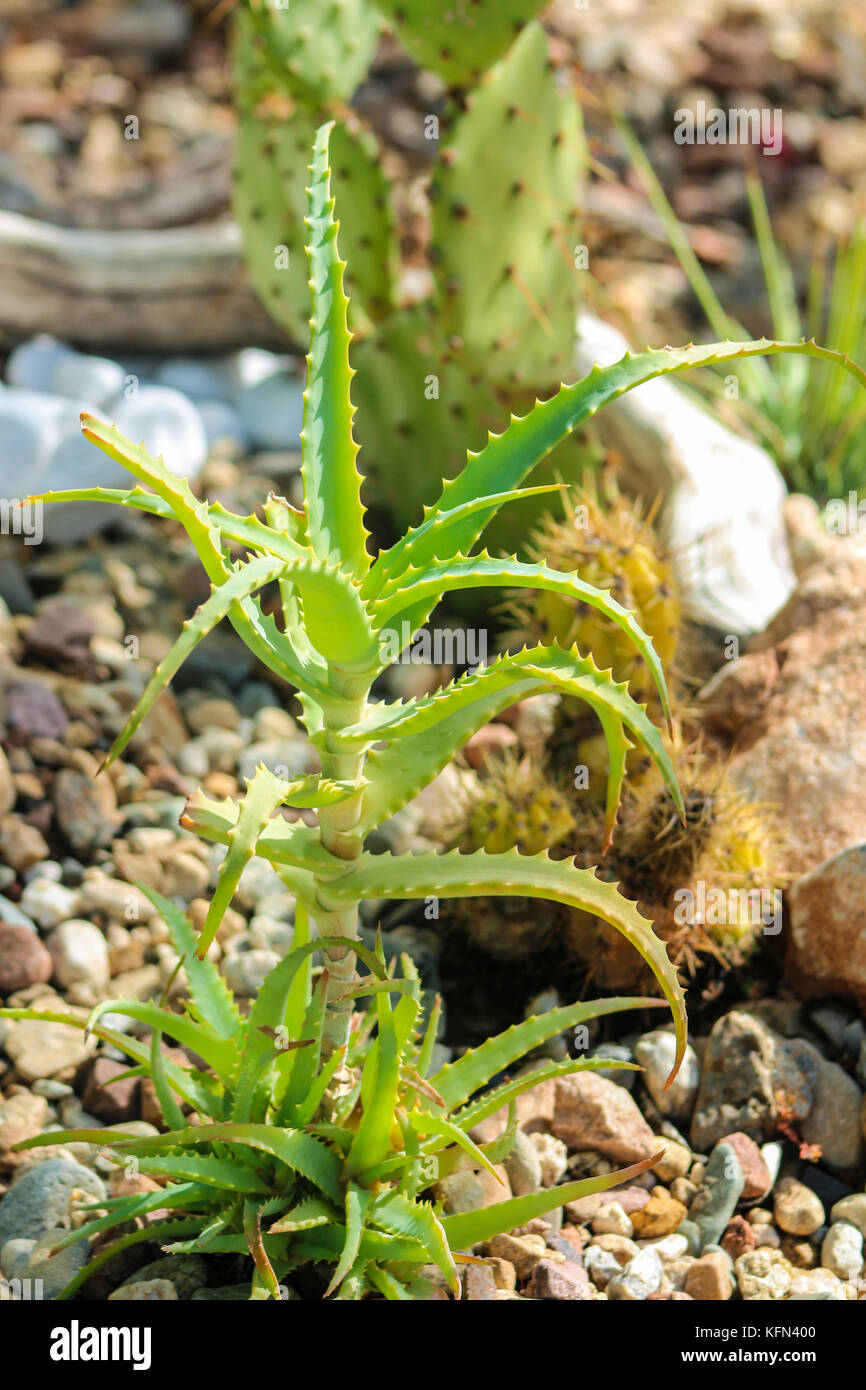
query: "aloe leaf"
380, 1089
294, 845
181, 1081
208, 990
265, 793
155, 1232
393, 778
427, 1122
217, 1052
388, 1285
125, 1209
474, 1112
332, 483
306, 1216
302, 1152
171, 1111
534, 875
469, 1228
508, 457
435, 534
483, 571
223, 1173
269, 1012
357, 1201
458, 1081
401, 1216
256, 1247
241, 584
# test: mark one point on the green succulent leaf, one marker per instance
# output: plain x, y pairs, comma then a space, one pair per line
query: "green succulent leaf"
332, 483
533, 875
465, 1229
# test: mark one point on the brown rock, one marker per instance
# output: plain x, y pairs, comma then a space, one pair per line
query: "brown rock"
594, 1113
629, 1197
738, 692
827, 940
804, 750
489, 740
108, 1099
80, 812
562, 1282
738, 1237
59, 638
660, 1216
755, 1170
523, 1252
479, 1285
669, 1296
709, 1279
33, 711
21, 844
24, 960
22, 1116
534, 1109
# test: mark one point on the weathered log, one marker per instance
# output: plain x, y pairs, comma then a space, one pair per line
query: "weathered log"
176, 289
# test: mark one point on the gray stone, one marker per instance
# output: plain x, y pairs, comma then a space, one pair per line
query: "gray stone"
639, 1278
716, 1199
37, 1262
273, 411
523, 1166
745, 1064
39, 1200
833, 1122
187, 1272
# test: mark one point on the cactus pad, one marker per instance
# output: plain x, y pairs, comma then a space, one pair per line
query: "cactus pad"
504, 221
270, 202
459, 39
318, 50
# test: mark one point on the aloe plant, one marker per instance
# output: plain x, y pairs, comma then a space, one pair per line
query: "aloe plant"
306, 1114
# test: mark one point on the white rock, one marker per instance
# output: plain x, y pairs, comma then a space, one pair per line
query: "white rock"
222, 421
31, 423
671, 1247
273, 411
842, 1250
95, 379
198, 378
656, 1053
166, 422
252, 365
639, 1278
601, 1266
283, 757
808, 1285
80, 953
723, 495
610, 1219
32, 364
246, 971
49, 903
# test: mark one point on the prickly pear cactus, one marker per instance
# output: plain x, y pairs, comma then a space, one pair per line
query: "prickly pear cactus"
458, 39
270, 199
504, 224
319, 50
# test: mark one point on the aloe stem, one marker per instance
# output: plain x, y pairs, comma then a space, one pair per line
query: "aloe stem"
342, 837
